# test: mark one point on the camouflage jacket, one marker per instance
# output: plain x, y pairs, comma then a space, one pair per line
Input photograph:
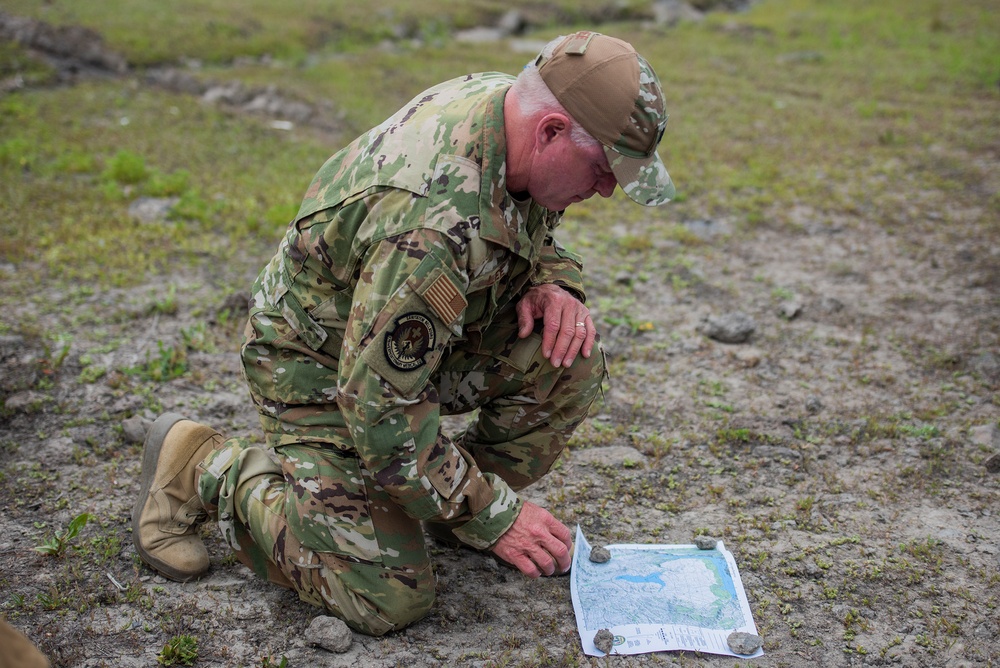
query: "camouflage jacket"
405, 243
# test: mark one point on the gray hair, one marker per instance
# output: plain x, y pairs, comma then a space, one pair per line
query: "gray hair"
534, 97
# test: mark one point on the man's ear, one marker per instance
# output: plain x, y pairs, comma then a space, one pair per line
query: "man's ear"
550, 128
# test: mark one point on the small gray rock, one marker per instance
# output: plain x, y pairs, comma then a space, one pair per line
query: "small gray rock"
135, 428
10, 345
735, 327
512, 23
479, 35
986, 364
671, 12
27, 402
329, 633
814, 405
600, 555
993, 463
790, 309
705, 542
984, 630
152, 209
604, 641
744, 643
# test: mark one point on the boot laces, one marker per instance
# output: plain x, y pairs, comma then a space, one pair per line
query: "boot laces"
196, 516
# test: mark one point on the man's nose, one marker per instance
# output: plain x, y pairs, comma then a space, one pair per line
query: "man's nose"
606, 185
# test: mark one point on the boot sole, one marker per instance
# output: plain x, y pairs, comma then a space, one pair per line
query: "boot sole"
151, 447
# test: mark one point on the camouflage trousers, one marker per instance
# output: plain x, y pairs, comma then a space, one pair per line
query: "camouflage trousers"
268, 508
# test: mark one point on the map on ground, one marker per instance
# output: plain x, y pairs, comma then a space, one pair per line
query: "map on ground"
655, 598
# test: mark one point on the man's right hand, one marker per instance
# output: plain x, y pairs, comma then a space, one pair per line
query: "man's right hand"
536, 544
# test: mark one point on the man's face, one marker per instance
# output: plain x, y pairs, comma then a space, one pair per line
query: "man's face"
563, 173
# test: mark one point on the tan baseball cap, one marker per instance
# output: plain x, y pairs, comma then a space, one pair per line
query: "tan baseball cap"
615, 95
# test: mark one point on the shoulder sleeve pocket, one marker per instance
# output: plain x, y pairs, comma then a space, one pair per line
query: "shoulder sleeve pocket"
414, 327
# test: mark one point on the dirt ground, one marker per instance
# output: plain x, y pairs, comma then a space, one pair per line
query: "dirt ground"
841, 452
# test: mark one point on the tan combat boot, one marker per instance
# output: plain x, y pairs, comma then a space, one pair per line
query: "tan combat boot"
18, 651
167, 513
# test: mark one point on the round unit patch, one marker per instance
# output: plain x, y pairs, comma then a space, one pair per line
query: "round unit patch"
409, 341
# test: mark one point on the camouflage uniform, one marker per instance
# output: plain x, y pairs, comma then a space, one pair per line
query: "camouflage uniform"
390, 303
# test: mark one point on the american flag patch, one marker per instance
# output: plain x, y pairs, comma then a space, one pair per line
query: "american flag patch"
445, 299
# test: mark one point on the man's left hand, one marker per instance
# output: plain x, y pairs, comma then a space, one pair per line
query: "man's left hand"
536, 544
567, 328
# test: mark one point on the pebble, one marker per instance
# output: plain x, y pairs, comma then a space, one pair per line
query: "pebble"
705, 542
986, 364
329, 633
603, 640
814, 405
25, 402
600, 555
134, 428
986, 435
789, 310
10, 344
744, 643
749, 357
734, 327
152, 209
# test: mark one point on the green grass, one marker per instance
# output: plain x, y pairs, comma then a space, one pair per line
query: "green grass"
74, 158
838, 107
58, 543
753, 126
152, 32
180, 650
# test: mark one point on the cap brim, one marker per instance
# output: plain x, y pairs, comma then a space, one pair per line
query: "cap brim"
644, 180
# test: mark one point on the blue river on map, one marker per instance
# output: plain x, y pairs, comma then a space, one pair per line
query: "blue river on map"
717, 565
652, 578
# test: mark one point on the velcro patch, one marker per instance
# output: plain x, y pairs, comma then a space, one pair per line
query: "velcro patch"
445, 299
578, 43
411, 338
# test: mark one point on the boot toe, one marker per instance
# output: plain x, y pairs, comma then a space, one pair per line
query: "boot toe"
181, 559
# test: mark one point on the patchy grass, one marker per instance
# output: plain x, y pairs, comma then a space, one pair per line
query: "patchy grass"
793, 117
113, 146
758, 98
220, 30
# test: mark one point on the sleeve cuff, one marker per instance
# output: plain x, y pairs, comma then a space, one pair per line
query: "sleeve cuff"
486, 527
